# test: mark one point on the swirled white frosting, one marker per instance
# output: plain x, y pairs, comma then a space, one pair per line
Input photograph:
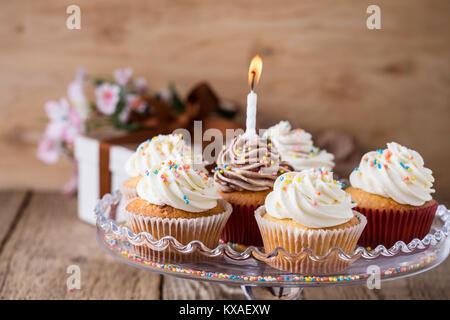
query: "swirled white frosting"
310, 197
178, 185
397, 173
296, 147
152, 152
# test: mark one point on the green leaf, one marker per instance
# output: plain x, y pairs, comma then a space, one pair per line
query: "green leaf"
176, 103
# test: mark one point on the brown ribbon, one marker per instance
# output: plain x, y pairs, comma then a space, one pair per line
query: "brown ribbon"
104, 172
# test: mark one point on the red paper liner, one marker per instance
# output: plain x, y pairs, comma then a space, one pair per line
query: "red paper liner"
242, 228
386, 227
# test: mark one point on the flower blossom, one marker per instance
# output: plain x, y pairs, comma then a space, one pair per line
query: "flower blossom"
75, 92
64, 125
141, 85
107, 98
135, 103
123, 76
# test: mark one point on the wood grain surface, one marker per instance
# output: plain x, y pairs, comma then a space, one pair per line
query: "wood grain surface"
47, 239
322, 67
41, 236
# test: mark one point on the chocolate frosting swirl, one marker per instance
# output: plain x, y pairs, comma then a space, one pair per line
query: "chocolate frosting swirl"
248, 164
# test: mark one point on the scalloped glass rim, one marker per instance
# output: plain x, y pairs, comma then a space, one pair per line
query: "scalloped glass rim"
109, 203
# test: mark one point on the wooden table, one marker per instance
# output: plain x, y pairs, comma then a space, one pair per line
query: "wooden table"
40, 236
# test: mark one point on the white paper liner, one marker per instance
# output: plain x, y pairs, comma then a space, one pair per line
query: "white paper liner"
205, 229
294, 240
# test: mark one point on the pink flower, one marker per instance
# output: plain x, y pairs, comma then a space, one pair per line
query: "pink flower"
165, 95
72, 128
123, 76
54, 130
69, 134
75, 120
107, 98
63, 118
135, 103
140, 84
124, 116
57, 111
64, 125
76, 95
48, 150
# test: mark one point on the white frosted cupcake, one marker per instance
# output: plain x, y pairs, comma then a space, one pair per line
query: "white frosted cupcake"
393, 189
309, 209
150, 154
296, 148
177, 200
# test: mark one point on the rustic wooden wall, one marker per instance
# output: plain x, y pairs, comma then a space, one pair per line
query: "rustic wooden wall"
322, 67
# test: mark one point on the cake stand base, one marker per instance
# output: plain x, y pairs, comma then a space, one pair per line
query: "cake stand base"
277, 293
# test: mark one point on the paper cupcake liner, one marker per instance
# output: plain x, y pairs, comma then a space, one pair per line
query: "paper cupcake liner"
386, 227
320, 241
242, 227
204, 229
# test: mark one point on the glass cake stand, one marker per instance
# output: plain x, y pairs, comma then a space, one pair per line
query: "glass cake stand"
246, 266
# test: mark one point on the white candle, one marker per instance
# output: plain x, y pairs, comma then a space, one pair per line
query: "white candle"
254, 72
251, 114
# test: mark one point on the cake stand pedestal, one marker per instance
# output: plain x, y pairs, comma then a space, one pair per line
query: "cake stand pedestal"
246, 267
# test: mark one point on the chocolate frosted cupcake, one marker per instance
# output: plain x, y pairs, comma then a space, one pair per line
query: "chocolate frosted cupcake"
296, 148
393, 190
245, 173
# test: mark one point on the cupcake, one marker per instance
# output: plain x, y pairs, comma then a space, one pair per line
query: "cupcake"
296, 148
309, 209
179, 201
150, 154
245, 173
393, 190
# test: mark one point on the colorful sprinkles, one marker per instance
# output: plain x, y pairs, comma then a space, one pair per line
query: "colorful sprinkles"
375, 163
114, 244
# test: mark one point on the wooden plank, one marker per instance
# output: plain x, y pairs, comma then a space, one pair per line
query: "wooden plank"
12, 203
340, 293
47, 239
322, 67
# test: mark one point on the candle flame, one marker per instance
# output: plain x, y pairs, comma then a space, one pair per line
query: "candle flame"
254, 71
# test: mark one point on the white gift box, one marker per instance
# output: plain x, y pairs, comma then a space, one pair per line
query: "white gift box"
88, 160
